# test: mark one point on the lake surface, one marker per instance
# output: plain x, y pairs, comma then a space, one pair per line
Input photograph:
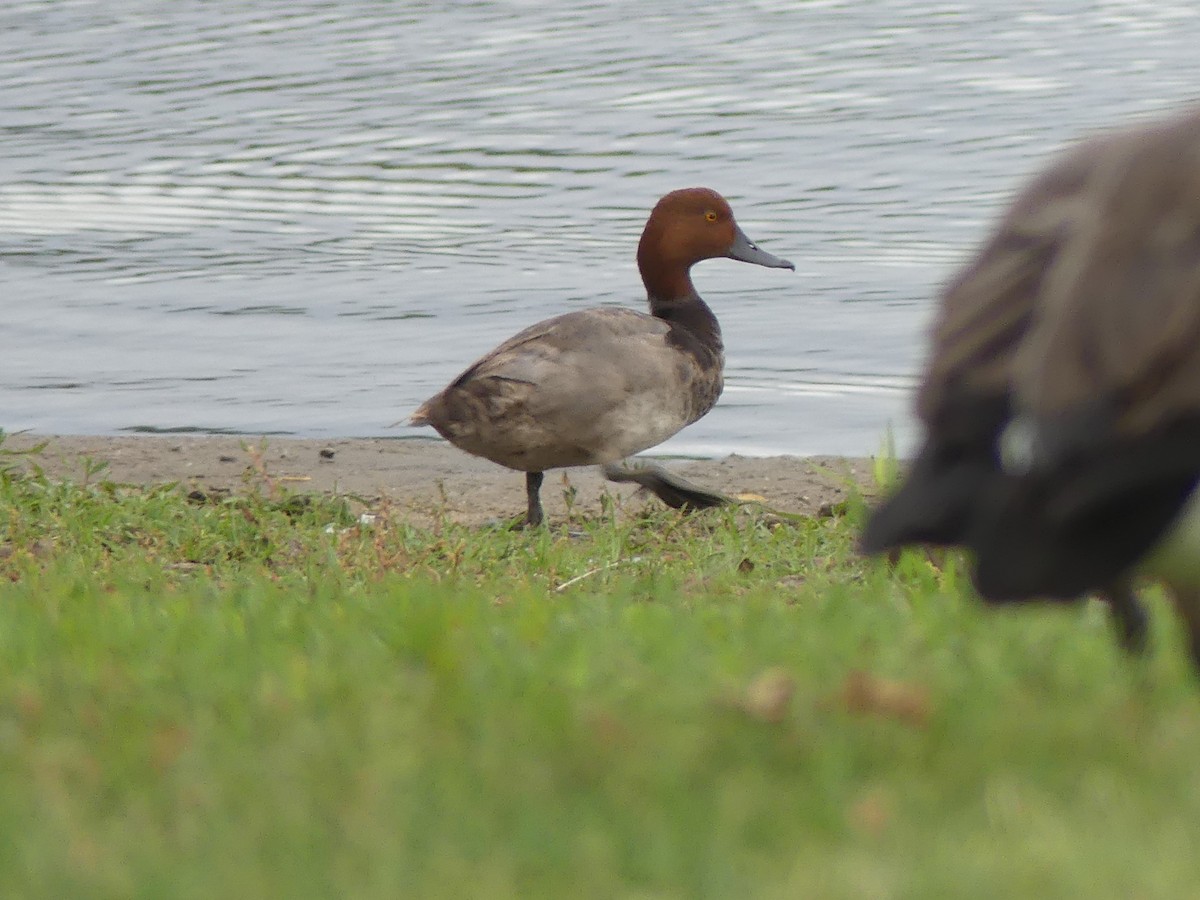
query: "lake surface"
232, 217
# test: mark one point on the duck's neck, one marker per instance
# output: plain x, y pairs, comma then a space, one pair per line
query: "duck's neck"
690, 313
672, 296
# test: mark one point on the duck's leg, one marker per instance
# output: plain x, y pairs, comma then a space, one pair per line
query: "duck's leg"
533, 491
670, 489
1129, 616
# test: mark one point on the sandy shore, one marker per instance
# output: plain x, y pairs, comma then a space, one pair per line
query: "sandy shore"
423, 477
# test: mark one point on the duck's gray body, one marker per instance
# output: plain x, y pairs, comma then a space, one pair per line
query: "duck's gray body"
585, 388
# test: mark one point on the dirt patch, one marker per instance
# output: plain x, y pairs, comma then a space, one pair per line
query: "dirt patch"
425, 477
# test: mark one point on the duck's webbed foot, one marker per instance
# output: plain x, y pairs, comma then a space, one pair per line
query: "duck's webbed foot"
676, 492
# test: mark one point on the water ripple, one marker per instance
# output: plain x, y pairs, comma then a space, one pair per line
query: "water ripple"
305, 219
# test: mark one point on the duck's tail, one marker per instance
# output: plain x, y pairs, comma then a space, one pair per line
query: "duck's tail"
422, 415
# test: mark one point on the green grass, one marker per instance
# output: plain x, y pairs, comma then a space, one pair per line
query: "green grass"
261, 697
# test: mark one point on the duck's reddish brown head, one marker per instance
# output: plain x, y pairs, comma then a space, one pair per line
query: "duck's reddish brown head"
685, 227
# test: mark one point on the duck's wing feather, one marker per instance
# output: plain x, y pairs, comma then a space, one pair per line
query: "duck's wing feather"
985, 311
1124, 330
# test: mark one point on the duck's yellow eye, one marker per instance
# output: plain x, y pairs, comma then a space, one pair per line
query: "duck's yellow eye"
711, 216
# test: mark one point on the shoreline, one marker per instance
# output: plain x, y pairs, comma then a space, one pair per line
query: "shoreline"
421, 477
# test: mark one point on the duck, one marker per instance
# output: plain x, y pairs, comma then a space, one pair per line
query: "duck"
1060, 399
595, 386
1102, 459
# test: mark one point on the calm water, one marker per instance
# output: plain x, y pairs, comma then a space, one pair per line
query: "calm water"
232, 217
